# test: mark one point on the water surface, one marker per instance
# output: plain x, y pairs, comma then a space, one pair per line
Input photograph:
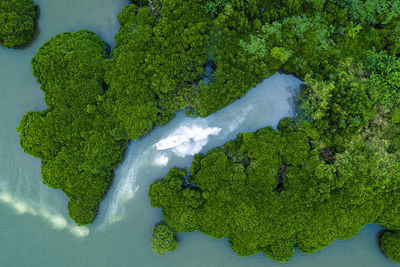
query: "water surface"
35, 229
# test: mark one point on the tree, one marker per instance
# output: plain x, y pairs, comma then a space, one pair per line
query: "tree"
75, 137
212, 6
17, 20
163, 239
384, 78
390, 245
271, 191
373, 12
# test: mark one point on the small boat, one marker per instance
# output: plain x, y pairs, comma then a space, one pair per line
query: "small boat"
171, 142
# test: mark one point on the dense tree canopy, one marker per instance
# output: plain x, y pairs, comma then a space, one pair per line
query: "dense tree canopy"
272, 191
373, 12
75, 137
163, 239
390, 245
17, 22
322, 176
155, 64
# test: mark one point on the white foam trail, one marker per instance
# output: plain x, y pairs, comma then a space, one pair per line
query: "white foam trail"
161, 160
6, 198
263, 106
123, 189
57, 221
21, 207
79, 231
239, 120
198, 139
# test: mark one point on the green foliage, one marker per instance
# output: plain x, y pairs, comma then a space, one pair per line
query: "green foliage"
385, 78
345, 101
74, 136
317, 97
163, 239
372, 12
96, 102
321, 177
390, 245
212, 6
17, 20
306, 37
155, 64
271, 191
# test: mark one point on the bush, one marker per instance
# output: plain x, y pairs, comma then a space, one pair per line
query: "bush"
163, 239
271, 191
17, 22
78, 142
390, 245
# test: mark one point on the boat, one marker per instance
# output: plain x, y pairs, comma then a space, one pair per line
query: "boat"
171, 142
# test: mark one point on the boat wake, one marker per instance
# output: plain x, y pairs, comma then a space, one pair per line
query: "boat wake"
183, 137
142, 156
123, 189
197, 138
57, 221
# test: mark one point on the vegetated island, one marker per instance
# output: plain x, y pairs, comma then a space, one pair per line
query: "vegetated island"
17, 22
321, 177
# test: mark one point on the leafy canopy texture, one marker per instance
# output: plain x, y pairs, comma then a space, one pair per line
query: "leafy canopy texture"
17, 22
75, 137
321, 177
271, 191
163, 239
390, 245
97, 101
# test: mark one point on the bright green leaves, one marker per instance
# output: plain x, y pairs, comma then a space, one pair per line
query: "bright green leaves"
344, 101
316, 96
298, 41
280, 54
373, 12
75, 137
272, 191
164, 192
212, 6
163, 239
17, 20
233, 193
255, 46
385, 78
38, 134
70, 69
390, 245
373, 170
155, 64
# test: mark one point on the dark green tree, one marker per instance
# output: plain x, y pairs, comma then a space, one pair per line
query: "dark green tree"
163, 239
271, 191
390, 245
17, 22
74, 136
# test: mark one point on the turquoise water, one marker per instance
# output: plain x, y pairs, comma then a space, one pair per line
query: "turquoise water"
35, 229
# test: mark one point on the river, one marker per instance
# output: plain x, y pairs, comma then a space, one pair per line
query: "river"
35, 229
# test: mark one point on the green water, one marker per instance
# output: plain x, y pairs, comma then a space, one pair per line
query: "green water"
35, 229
